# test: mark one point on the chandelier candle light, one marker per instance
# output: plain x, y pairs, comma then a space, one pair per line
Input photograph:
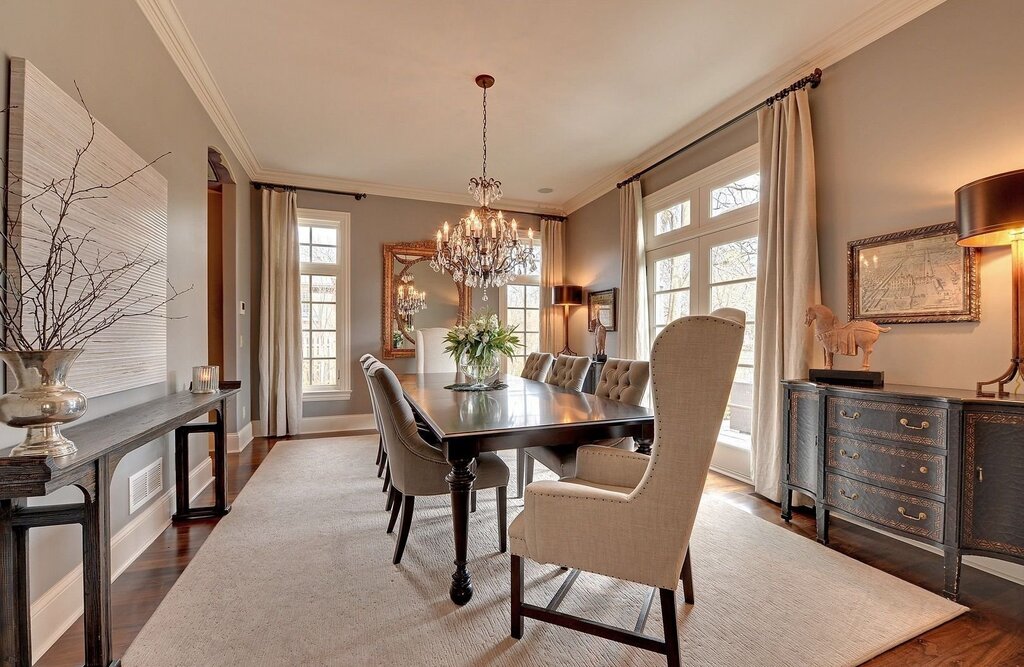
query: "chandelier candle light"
408, 299
483, 249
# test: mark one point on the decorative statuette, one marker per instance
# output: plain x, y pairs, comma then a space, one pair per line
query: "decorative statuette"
844, 339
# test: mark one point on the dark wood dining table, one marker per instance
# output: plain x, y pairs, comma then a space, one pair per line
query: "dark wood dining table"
525, 414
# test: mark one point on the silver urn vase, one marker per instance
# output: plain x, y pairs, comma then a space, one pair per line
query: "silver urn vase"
41, 401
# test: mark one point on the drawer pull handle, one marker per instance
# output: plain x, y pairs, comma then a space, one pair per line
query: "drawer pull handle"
921, 516
845, 415
854, 456
906, 423
853, 496
981, 474
923, 470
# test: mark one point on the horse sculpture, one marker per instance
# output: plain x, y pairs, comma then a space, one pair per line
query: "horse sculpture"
843, 339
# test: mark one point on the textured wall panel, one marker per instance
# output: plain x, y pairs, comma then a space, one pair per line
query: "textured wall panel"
47, 126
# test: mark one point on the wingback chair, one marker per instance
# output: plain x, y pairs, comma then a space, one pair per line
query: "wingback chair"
621, 380
417, 469
537, 366
430, 354
627, 515
569, 372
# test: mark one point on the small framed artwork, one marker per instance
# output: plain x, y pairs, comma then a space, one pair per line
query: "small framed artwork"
602, 307
913, 276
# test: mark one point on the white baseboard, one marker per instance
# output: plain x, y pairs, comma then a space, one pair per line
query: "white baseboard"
58, 608
237, 442
327, 424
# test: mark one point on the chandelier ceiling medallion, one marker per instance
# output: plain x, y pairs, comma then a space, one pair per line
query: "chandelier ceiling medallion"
484, 249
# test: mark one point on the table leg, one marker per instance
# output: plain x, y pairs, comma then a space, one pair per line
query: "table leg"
951, 589
96, 569
15, 638
220, 462
460, 481
643, 445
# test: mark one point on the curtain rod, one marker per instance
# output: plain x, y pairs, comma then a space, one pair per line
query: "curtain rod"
812, 80
260, 186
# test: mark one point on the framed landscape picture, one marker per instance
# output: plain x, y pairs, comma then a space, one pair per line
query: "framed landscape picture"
918, 275
602, 306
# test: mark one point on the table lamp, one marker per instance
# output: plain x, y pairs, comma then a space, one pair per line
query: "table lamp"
990, 212
565, 296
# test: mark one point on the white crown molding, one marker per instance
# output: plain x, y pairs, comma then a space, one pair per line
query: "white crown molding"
170, 28
381, 190
877, 22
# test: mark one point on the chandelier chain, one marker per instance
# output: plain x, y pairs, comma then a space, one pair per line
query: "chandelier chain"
485, 135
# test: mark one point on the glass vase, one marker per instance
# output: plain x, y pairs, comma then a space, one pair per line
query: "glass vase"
479, 370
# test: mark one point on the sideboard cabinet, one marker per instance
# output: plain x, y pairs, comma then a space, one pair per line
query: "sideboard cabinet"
940, 466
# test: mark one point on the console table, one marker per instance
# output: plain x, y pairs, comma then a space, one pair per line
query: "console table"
941, 466
101, 443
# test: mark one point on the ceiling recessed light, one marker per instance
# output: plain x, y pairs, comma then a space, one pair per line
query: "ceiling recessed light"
546, 191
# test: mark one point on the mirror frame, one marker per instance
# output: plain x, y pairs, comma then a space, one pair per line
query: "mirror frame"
424, 251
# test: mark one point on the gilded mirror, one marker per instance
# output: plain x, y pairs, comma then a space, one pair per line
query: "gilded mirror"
407, 277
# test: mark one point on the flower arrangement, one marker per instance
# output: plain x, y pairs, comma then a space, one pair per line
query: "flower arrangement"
479, 345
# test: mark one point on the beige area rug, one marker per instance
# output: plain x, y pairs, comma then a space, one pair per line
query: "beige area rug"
300, 573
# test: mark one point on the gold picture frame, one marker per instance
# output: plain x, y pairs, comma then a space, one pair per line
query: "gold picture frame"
605, 303
913, 276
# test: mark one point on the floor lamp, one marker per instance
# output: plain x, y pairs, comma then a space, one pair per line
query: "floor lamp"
990, 212
565, 296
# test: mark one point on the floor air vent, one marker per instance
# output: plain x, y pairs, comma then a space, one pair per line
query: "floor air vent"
145, 484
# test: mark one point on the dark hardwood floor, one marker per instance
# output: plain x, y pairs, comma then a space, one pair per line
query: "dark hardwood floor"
991, 633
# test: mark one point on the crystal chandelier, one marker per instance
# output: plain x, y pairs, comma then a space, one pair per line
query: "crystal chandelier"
409, 300
483, 249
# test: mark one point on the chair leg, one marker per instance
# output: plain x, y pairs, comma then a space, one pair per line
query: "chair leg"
383, 462
528, 473
380, 450
387, 478
687, 577
502, 494
472, 501
520, 472
391, 499
396, 504
408, 503
517, 597
668, 619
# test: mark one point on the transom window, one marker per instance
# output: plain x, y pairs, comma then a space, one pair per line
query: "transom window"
702, 255
324, 298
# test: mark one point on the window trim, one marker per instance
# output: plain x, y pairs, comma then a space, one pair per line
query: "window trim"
340, 220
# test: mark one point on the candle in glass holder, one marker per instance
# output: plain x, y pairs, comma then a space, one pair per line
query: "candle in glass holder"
205, 379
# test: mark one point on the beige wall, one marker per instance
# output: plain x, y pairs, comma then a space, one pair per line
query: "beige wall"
374, 221
133, 87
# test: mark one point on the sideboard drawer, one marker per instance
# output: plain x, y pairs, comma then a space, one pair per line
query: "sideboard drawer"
899, 511
915, 424
898, 468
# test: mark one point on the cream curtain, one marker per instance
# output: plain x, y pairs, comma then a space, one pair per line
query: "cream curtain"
552, 272
787, 274
280, 354
634, 334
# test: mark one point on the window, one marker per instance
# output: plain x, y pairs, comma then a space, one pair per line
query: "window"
324, 295
702, 255
519, 304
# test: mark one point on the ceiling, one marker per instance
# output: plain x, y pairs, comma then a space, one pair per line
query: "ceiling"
380, 95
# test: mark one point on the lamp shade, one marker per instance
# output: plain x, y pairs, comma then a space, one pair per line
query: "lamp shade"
567, 295
990, 211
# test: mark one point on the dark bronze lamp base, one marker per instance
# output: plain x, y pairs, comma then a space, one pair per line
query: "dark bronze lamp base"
1016, 368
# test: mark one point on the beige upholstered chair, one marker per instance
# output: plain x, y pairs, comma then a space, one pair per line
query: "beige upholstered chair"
417, 469
569, 372
365, 362
621, 380
430, 354
537, 366
630, 516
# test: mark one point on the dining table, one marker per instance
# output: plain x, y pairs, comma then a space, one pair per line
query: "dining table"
524, 413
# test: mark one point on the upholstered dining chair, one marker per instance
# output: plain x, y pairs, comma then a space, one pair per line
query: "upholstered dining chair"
621, 380
430, 354
569, 372
627, 515
537, 366
417, 469
365, 362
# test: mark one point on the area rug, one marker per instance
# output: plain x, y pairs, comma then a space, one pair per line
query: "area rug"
300, 573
